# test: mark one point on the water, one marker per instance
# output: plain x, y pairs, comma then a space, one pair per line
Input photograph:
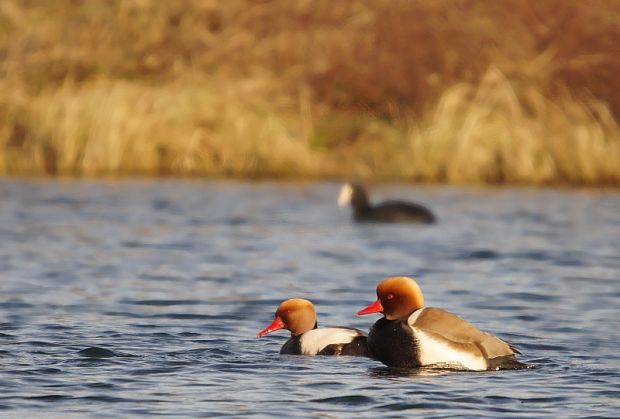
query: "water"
143, 298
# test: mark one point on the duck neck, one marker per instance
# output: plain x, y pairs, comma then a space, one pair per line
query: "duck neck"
316, 325
359, 202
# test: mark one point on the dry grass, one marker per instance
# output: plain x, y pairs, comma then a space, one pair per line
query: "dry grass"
493, 133
191, 127
459, 91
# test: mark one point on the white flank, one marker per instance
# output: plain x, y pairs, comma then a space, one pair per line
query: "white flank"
313, 341
434, 351
344, 198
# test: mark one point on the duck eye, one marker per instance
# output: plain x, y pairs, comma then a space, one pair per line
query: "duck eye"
389, 297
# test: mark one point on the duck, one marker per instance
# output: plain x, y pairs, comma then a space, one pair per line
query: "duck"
411, 335
385, 212
298, 316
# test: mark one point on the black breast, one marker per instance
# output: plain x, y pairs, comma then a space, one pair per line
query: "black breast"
392, 342
292, 346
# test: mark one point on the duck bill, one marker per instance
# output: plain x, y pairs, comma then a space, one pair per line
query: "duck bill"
375, 307
277, 324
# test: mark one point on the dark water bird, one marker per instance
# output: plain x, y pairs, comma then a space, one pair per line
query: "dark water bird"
386, 212
411, 335
299, 317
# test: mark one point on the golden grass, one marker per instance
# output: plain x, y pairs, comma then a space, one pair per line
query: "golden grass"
460, 91
492, 133
191, 127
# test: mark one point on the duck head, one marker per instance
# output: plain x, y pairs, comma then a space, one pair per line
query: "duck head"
398, 297
296, 315
354, 194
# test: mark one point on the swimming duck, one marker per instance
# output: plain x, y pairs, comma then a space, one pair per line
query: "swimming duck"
387, 212
412, 335
299, 317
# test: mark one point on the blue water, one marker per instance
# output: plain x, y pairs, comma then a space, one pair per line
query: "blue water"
143, 298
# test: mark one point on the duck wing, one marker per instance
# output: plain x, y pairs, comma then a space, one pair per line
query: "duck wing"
452, 329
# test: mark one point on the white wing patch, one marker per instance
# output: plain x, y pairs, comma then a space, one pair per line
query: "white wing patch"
412, 319
314, 341
433, 351
344, 198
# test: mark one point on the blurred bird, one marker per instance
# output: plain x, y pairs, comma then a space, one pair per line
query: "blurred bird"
386, 212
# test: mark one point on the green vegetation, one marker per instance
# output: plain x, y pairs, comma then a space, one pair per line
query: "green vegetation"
458, 91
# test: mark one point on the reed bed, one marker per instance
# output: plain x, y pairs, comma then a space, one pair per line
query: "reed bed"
461, 91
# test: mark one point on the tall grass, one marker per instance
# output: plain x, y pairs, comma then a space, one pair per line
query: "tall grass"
460, 91
493, 133
189, 127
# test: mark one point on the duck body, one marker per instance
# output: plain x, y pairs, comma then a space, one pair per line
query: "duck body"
412, 335
392, 211
432, 337
327, 341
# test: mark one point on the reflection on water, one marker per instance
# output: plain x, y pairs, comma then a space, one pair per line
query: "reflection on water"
388, 372
144, 298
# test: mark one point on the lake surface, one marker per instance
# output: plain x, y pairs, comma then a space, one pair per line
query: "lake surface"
143, 298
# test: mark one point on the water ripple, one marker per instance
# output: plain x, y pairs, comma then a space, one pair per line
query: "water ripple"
143, 298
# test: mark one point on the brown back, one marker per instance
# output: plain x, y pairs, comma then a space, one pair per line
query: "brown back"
445, 325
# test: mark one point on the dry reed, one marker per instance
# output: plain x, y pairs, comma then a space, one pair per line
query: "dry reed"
462, 91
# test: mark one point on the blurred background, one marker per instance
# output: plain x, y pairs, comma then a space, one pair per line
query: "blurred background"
143, 297
459, 91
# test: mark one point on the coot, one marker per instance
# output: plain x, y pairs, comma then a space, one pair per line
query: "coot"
386, 212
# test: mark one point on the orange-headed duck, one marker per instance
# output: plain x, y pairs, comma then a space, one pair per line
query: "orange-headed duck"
412, 335
386, 212
299, 317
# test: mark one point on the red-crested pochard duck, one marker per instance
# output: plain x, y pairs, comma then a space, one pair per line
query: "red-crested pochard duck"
412, 335
386, 212
299, 317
